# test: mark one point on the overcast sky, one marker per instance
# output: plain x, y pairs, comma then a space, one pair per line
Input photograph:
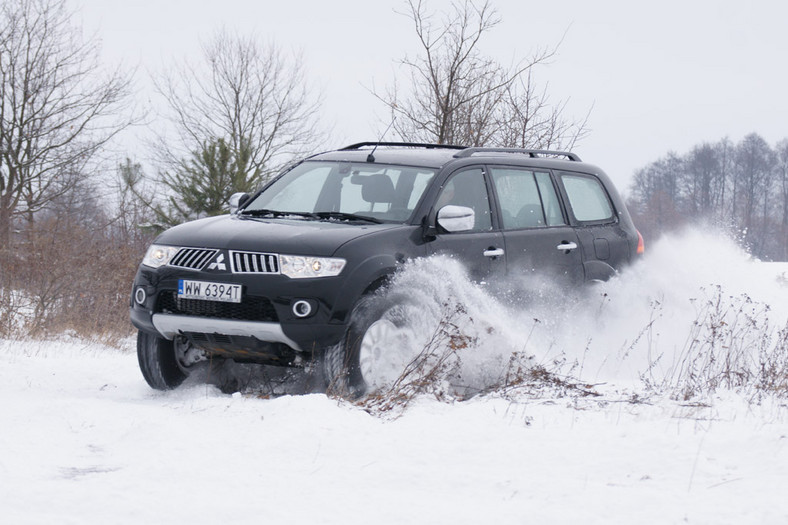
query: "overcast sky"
660, 76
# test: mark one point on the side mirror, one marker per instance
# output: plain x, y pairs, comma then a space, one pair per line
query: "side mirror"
456, 218
237, 200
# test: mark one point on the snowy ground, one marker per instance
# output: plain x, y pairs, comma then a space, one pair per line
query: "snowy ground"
84, 440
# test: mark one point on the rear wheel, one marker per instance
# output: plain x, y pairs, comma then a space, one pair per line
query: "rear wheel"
158, 362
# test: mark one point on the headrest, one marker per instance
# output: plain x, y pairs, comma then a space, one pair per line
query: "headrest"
377, 188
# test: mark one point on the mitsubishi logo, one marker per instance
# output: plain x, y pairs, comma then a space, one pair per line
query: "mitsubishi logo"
218, 264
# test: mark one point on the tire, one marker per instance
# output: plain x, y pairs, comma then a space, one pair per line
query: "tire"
375, 328
158, 363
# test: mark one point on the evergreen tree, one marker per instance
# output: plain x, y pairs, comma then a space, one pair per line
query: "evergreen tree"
201, 185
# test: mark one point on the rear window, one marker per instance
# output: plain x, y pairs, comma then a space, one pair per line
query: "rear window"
587, 198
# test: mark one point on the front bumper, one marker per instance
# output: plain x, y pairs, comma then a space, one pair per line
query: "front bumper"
262, 324
170, 326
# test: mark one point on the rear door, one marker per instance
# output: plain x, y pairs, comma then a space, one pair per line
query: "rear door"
604, 242
537, 236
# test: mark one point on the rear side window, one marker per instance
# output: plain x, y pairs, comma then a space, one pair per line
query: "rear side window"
527, 198
587, 198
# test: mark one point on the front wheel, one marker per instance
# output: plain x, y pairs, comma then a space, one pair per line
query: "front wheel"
158, 362
368, 357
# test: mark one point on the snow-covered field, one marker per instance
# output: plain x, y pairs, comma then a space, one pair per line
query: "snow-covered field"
84, 440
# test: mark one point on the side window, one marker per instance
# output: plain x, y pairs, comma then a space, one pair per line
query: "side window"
528, 199
467, 188
552, 206
587, 198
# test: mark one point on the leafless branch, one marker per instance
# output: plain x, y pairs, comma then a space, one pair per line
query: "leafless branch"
241, 91
58, 106
458, 95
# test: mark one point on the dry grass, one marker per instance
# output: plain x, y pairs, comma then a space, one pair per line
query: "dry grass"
67, 279
731, 347
431, 371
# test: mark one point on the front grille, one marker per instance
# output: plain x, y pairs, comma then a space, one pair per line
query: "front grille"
250, 309
192, 258
251, 262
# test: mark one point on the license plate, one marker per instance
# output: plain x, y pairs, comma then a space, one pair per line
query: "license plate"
207, 291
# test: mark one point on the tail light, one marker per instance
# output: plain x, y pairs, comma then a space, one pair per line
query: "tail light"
641, 246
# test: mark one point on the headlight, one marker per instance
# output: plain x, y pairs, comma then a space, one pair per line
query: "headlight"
159, 255
298, 267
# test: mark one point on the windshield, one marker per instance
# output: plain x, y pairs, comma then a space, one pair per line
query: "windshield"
334, 190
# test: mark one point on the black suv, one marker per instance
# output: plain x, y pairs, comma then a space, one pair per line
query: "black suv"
289, 277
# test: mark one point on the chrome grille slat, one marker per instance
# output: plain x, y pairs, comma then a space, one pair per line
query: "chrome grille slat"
205, 259
253, 262
190, 260
193, 258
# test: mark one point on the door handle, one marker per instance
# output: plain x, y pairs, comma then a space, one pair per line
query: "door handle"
493, 252
567, 246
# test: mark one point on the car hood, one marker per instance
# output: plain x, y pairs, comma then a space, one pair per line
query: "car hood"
291, 236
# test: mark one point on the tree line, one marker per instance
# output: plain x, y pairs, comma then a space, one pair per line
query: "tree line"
739, 187
76, 216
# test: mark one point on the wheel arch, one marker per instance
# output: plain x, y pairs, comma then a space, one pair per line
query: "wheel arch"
366, 279
598, 271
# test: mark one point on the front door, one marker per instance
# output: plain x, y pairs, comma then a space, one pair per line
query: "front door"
481, 248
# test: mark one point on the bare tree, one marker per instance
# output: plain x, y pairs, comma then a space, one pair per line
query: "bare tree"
700, 179
527, 119
742, 188
247, 94
656, 197
782, 172
755, 163
58, 107
457, 95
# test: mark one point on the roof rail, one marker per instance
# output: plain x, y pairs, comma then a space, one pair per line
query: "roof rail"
533, 153
402, 145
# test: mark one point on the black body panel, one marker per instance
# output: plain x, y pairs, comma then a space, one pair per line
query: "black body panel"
267, 327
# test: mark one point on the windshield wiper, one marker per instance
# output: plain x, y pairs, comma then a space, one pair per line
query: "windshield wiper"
278, 214
339, 215
323, 215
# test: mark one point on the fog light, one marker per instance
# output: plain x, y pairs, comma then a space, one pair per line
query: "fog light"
140, 296
302, 308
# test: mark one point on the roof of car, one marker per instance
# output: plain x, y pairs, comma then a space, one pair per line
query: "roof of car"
437, 155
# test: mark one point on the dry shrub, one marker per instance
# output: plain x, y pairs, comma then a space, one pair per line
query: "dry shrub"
731, 346
12, 303
65, 277
526, 379
772, 377
437, 372
431, 371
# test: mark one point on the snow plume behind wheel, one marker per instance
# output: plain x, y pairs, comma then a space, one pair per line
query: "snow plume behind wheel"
423, 333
